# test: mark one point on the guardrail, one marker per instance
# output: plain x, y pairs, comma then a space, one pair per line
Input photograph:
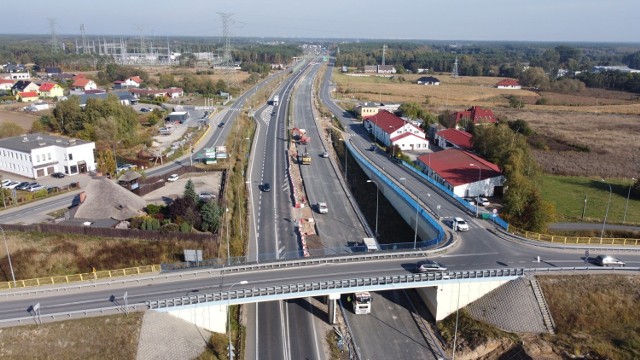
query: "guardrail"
70, 315
66, 279
580, 240
316, 288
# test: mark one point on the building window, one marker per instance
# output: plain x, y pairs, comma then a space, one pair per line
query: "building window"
49, 156
70, 156
37, 158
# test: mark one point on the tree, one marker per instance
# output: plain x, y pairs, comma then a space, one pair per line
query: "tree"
190, 192
534, 77
211, 214
515, 102
10, 129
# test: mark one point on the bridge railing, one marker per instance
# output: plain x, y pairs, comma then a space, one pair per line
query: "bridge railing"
350, 285
585, 240
67, 279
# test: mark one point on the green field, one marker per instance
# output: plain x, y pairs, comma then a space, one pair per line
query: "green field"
568, 194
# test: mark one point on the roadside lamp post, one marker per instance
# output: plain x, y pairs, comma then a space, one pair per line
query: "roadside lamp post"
606, 213
243, 282
377, 192
6, 247
627, 203
479, 180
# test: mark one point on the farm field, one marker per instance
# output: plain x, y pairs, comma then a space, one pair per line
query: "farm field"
24, 120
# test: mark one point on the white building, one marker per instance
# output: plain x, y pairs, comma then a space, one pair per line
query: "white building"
38, 155
391, 130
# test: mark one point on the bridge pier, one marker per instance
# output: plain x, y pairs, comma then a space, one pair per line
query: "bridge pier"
333, 314
209, 317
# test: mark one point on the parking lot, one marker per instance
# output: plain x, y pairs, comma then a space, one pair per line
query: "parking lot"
203, 182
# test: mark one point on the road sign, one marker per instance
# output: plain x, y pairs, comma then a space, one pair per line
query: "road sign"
495, 212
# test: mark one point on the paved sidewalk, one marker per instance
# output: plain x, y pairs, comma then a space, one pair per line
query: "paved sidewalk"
164, 336
511, 307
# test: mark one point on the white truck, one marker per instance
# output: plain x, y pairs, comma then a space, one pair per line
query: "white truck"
371, 244
361, 303
275, 100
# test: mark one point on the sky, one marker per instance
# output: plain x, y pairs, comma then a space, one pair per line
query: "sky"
480, 20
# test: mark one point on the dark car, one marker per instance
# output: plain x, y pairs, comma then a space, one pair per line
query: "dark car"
266, 187
24, 185
57, 175
221, 125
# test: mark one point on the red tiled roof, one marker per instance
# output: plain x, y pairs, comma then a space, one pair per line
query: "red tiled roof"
6, 81
136, 79
508, 82
174, 90
118, 82
80, 82
458, 137
386, 121
476, 114
28, 94
47, 86
453, 165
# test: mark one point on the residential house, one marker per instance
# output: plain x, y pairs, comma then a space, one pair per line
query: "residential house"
39, 155
24, 86
428, 80
370, 69
6, 84
124, 97
476, 115
464, 173
172, 93
132, 82
82, 84
16, 76
508, 84
367, 109
104, 203
386, 69
454, 138
51, 71
51, 90
27, 96
392, 130
15, 68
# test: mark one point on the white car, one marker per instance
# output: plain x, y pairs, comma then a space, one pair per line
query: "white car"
484, 201
459, 224
173, 177
12, 185
322, 208
5, 182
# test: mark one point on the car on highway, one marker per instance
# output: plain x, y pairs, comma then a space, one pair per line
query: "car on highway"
57, 175
206, 195
323, 208
606, 260
265, 187
324, 154
221, 125
458, 224
427, 265
173, 177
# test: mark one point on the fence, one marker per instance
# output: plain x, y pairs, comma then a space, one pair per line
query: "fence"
66, 279
110, 232
575, 239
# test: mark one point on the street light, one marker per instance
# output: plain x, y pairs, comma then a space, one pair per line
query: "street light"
479, 180
243, 282
6, 247
607, 212
627, 203
377, 192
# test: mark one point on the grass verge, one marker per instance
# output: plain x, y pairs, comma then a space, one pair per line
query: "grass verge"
106, 337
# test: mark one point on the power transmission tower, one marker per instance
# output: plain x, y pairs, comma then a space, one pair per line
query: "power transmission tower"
55, 43
227, 60
85, 44
454, 73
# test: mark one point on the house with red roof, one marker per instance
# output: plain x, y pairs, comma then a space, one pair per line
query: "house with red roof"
132, 82
392, 130
6, 84
81, 84
475, 114
453, 138
462, 172
173, 93
508, 84
27, 96
50, 90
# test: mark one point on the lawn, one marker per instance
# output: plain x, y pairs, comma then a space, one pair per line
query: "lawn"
568, 194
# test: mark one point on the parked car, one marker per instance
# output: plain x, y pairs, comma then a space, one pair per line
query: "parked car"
12, 185
484, 201
205, 195
145, 110
606, 260
265, 187
57, 175
5, 182
323, 208
459, 224
24, 185
429, 266
36, 187
324, 154
173, 177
